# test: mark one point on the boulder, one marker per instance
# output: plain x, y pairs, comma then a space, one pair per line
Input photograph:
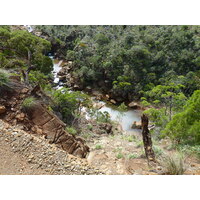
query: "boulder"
136, 125
98, 105
134, 105
62, 72
107, 97
20, 116
62, 78
106, 127
88, 89
2, 109
113, 101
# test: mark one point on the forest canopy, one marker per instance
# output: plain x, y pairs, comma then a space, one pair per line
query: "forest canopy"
130, 60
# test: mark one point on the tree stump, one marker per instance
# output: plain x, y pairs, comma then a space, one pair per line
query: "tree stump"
147, 139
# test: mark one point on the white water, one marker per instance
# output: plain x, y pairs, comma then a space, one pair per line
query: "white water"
56, 68
29, 28
125, 119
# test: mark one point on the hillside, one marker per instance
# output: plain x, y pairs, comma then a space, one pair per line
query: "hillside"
99, 99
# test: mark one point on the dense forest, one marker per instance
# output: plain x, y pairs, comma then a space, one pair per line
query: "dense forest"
157, 66
160, 65
130, 60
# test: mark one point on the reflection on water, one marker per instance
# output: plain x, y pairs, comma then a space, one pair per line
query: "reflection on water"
125, 118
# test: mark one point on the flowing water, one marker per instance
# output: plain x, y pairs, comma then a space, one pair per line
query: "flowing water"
124, 118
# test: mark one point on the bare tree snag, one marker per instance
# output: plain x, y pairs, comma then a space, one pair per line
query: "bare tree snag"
147, 139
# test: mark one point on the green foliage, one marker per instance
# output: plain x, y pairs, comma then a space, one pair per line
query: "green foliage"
122, 107
3, 78
90, 126
173, 164
28, 103
119, 155
86, 135
21, 49
138, 143
189, 150
185, 126
101, 117
71, 130
37, 77
68, 103
157, 150
129, 138
98, 146
132, 156
131, 59
157, 116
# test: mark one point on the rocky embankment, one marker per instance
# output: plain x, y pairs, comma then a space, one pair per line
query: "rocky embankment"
38, 155
38, 119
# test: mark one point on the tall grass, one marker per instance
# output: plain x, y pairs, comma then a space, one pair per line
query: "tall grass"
173, 164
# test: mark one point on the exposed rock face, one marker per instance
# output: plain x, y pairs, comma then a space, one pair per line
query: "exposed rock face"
39, 120
41, 155
134, 105
53, 128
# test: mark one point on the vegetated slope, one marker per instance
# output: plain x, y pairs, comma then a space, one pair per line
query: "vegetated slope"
127, 61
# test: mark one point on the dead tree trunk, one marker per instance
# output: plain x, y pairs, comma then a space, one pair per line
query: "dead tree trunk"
147, 139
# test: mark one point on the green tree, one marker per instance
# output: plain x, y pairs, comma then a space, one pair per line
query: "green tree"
185, 126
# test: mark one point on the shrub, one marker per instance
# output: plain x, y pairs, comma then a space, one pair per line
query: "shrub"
119, 156
3, 78
129, 138
89, 126
132, 156
86, 135
157, 150
98, 146
174, 164
139, 143
71, 130
190, 150
28, 103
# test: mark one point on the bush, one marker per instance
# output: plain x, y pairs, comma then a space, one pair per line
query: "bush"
132, 156
71, 130
157, 150
119, 156
129, 138
190, 150
173, 165
69, 103
3, 78
98, 146
28, 103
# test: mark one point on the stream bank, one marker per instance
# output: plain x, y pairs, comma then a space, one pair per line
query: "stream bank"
124, 118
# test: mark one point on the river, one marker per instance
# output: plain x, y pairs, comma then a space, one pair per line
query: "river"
124, 118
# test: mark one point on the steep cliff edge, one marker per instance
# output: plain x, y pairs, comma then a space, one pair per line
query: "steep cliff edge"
38, 119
